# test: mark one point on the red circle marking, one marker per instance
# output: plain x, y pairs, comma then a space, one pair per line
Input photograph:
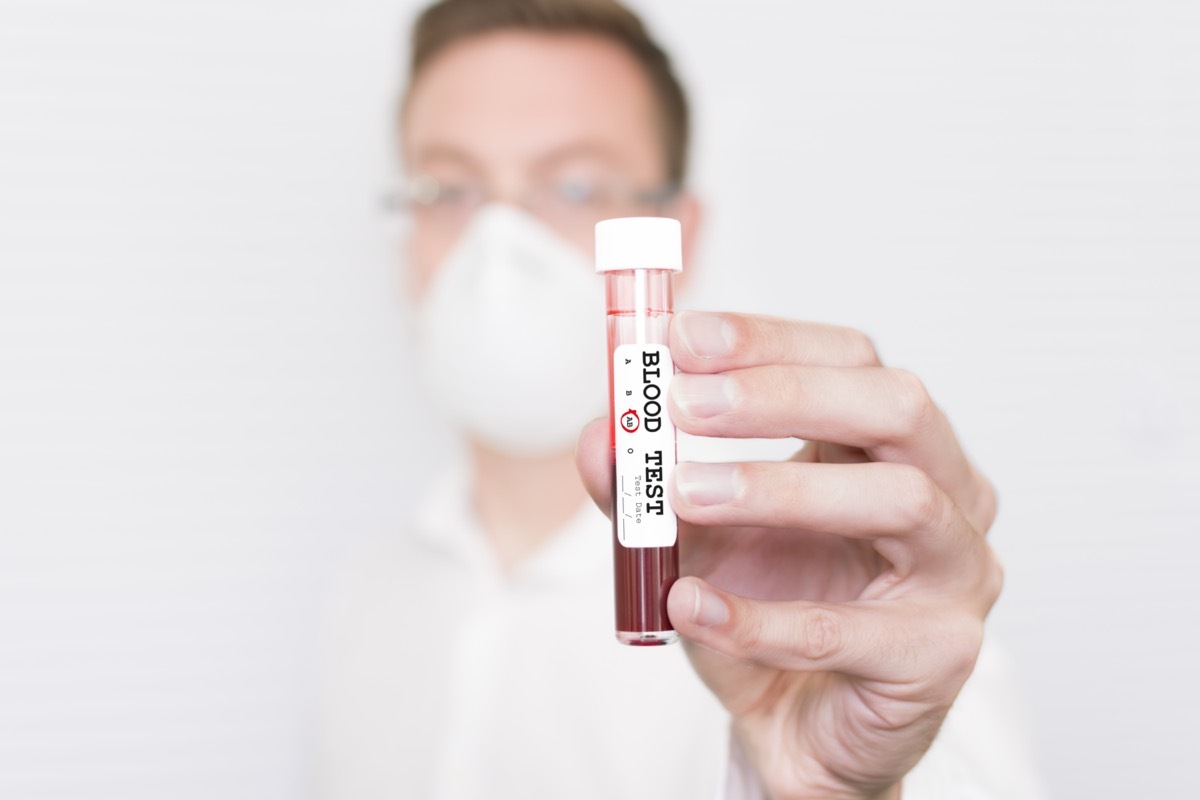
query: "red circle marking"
630, 421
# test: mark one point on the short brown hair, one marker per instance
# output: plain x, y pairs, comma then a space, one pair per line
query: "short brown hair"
450, 21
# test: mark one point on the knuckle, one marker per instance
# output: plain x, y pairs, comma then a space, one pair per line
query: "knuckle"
962, 650
993, 579
925, 505
915, 410
822, 635
988, 505
862, 348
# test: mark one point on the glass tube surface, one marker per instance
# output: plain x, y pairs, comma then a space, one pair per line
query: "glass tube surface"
639, 313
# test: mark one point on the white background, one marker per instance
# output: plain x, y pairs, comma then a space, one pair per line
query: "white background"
204, 389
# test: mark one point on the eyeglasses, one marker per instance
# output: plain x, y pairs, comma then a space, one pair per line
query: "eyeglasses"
571, 206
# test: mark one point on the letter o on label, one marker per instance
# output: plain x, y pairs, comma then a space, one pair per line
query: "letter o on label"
652, 391
630, 451
653, 405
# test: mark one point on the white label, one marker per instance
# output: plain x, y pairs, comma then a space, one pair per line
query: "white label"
645, 445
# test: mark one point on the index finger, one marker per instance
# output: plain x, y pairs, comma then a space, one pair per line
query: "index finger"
707, 342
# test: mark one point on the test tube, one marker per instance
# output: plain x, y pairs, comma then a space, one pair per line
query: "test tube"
638, 256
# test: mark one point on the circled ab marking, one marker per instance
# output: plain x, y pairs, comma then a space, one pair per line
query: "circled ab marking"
630, 421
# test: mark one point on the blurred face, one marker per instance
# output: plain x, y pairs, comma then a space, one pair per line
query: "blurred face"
562, 124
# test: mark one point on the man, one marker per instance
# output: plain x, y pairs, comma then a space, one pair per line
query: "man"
834, 604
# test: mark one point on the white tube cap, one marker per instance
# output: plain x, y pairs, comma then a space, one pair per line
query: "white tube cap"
639, 243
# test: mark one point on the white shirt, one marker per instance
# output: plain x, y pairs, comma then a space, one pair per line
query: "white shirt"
449, 680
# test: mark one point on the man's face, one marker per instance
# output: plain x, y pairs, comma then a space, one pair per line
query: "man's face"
564, 124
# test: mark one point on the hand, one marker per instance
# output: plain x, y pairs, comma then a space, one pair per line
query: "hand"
835, 602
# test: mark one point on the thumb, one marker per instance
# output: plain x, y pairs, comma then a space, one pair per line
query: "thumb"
871, 640
593, 459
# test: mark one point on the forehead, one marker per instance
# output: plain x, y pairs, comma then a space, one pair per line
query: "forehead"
512, 98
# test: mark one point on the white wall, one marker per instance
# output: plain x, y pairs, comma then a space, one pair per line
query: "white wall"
203, 387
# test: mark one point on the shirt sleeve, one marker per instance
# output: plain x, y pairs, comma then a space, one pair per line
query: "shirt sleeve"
981, 753
740, 781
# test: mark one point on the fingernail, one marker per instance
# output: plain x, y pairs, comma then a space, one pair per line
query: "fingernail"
705, 335
709, 610
703, 484
702, 396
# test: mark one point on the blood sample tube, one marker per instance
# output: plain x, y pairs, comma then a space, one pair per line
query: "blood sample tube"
638, 256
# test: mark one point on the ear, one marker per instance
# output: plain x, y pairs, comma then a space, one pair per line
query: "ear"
687, 208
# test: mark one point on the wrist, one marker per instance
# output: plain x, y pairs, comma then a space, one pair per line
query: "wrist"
892, 793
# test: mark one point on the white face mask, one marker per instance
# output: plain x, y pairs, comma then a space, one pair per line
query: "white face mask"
510, 335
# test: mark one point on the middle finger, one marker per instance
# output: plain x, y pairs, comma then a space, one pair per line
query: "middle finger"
886, 412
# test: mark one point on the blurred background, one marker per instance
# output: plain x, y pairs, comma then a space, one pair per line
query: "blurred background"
205, 392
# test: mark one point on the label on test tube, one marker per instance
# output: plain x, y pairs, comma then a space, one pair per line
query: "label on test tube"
644, 444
